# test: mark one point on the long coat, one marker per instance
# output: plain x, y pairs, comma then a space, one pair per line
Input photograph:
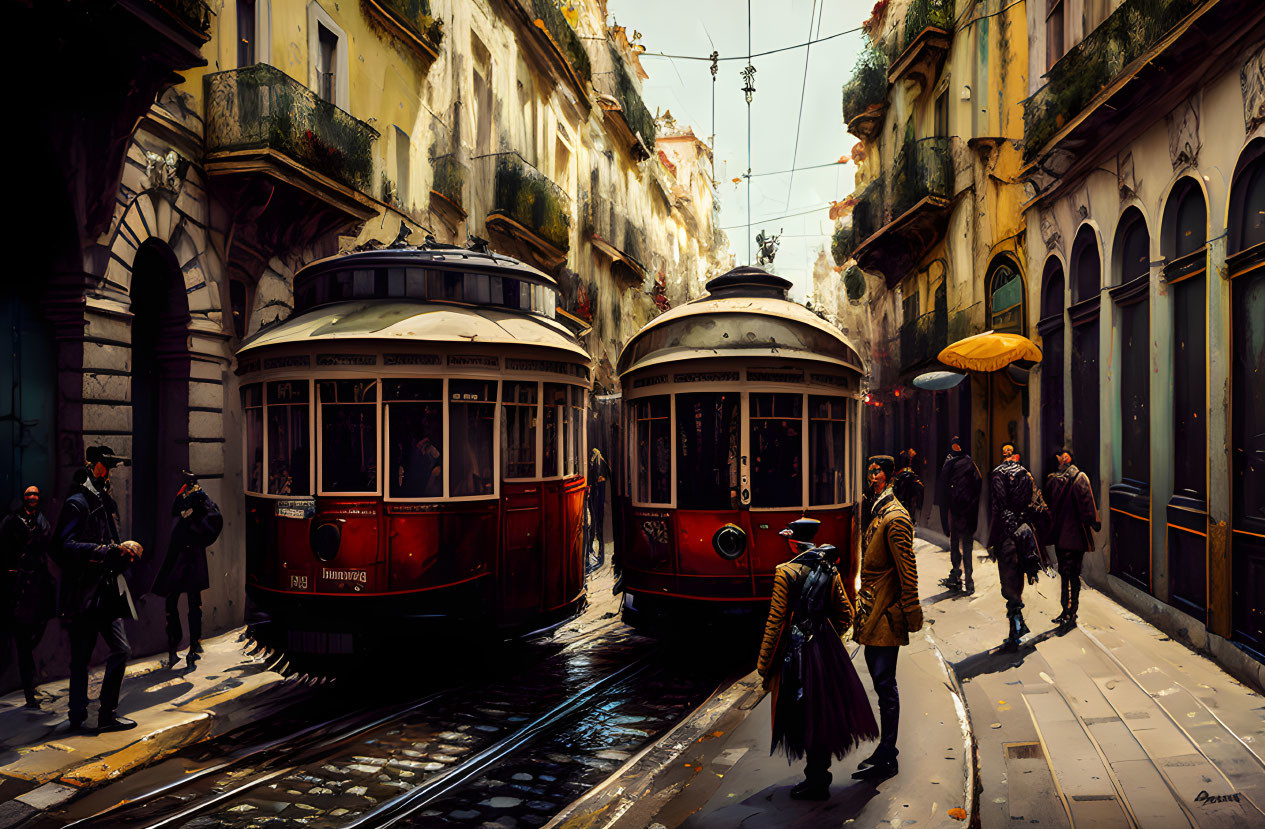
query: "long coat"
86, 548
957, 492
29, 593
1010, 487
184, 569
786, 582
887, 606
1073, 511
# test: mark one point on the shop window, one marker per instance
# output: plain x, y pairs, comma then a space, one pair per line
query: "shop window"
1190, 377
776, 448
349, 435
1133, 242
289, 447
520, 418
827, 451
472, 437
652, 421
253, 411
1248, 376
707, 450
415, 432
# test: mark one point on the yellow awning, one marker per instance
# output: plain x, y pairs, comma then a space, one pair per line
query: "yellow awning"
989, 351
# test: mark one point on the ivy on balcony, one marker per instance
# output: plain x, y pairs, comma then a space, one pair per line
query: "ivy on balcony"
193, 13
415, 17
523, 194
620, 85
854, 283
922, 339
261, 107
923, 168
868, 86
926, 14
449, 178
550, 18
1090, 66
843, 243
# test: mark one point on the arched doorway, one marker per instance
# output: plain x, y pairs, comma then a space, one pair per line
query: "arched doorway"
28, 399
1083, 315
160, 399
1006, 397
1051, 330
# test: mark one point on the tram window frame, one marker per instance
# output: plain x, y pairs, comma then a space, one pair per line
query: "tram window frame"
376, 384
441, 399
842, 465
550, 416
252, 395
305, 387
732, 399
494, 466
669, 421
754, 506
535, 428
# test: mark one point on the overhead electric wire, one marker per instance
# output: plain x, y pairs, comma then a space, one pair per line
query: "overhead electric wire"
775, 218
755, 55
803, 91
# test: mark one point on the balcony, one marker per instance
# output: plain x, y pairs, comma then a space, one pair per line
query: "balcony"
922, 339
1147, 56
925, 43
180, 28
413, 23
528, 210
625, 111
616, 237
448, 185
865, 96
896, 225
559, 44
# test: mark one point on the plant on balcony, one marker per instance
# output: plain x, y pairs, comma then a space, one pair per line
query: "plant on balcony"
416, 16
923, 168
843, 243
193, 13
870, 212
624, 90
1091, 65
551, 19
926, 14
854, 283
523, 194
868, 86
449, 178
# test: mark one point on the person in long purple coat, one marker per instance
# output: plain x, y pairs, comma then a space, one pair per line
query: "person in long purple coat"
184, 569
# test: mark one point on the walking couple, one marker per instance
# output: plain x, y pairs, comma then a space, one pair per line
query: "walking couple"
820, 709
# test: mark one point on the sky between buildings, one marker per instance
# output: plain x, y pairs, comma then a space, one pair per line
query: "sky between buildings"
696, 27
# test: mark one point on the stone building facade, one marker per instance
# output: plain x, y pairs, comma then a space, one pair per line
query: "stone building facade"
227, 144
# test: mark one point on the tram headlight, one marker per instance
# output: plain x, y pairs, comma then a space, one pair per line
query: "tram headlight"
325, 539
729, 542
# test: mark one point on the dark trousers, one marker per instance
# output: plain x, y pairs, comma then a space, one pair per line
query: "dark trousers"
1011, 576
817, 769
1070, 562
84, 631
881, 660
174, 632
960, 546
26, 635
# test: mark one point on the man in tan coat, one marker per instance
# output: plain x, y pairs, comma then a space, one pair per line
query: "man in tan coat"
887, 608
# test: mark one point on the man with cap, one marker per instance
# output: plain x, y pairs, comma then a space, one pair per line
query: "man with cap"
29, 602
907, 485
957, 492
1074, 519
1011, 487
888, 609
94, 595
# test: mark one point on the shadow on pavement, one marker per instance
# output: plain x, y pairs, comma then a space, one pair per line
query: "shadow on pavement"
773, 807
995, 660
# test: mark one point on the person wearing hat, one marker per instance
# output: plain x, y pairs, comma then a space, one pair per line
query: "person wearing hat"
957, 492
94, 595
888, 609
1074, 519
906, 484
29, 601
184, 569
1010, 489
819, 704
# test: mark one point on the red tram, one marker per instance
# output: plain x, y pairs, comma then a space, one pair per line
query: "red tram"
414, 447
740, 414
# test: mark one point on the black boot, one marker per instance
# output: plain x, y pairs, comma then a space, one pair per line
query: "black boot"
815, 787
951, 583
969, 586
1017, 629
1073, 604
881, 770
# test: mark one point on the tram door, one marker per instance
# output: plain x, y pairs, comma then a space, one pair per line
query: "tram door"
522, 562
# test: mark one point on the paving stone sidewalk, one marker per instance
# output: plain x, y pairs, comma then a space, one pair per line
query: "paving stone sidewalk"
1112, 724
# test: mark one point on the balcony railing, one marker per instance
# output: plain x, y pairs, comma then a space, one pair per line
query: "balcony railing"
618, 84
414, 17
607, 227
449, 178
550, 18
923, 169
261, 108
1132, 30
523, 194
866, 93
926, 14
922, 339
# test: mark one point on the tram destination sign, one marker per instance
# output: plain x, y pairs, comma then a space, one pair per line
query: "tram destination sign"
295, 508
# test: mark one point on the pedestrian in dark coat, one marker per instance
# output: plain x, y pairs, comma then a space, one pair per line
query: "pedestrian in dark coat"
907, 485
1010, 537
94, 595
957, 492
29, 597
184, 569
819, 704
1074, 521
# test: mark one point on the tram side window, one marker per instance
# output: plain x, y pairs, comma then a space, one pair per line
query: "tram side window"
827, 445
349, 435
573, 459
288, 443
776, 447
553, 416
654, 450
707, 448
519, 430
472, 437
253, 407
415, 422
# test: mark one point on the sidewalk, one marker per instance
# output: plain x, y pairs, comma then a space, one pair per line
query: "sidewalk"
1112, 724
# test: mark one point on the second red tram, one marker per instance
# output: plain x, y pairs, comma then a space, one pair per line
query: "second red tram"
740, 414
414, 451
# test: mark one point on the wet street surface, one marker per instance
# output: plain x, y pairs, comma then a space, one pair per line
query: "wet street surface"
507, 740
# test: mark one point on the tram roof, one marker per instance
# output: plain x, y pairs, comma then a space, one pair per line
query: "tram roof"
430, 255
749, 293
402, 321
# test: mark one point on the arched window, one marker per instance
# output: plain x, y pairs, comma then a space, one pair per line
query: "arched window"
1086, 280
1131, 260
1185, 221
1133, 247
1247, 202
1005, 297
1051, 330
1086, 266
1052, 290
1185, 235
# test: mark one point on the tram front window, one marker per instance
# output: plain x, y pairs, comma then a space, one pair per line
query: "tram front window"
776, 446
253, 407
654, 450
472, 436
349, 435
520, 430
288, 446
707, 451
827, 443
415, 420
